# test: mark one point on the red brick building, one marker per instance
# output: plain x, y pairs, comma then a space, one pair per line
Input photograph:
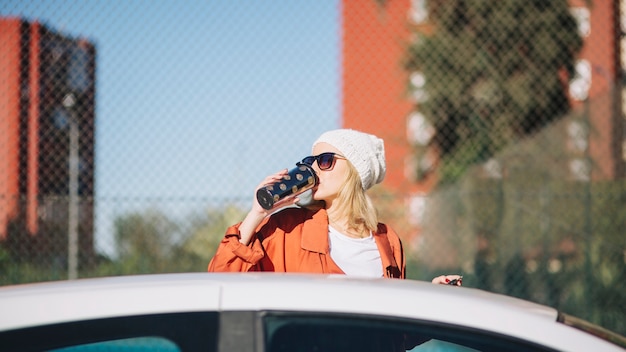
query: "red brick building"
48, 83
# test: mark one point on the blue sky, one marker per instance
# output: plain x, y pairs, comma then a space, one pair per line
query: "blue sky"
201, 99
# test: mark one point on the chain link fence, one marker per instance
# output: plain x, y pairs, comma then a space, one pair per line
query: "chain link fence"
526, 126
134, 133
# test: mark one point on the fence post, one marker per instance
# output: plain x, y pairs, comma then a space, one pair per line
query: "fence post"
72, 224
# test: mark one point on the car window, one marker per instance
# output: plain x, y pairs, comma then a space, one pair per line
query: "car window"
318, 332
441, 346
194, 331
135, 344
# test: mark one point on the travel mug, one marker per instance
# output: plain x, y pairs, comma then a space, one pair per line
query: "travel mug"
298, 180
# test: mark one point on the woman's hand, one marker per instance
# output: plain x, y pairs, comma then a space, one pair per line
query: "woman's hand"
258, 213
270, 180
447, 279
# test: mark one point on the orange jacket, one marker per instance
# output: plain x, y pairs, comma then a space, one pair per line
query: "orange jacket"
296, 240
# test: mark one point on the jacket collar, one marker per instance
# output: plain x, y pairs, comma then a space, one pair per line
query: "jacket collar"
386, 253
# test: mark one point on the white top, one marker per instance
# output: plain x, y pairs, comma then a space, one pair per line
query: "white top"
355, 256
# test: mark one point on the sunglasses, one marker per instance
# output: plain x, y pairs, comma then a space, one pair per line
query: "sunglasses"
325, 161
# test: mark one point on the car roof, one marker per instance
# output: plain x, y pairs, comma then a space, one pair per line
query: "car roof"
54, 302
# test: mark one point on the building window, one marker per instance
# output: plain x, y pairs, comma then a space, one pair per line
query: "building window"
580, 169
623, 52
78, 76
492, 169
419, 11
418, 82
577, 134
416, 209
579, 86
418, 166
582, 16
419, 130
622, 15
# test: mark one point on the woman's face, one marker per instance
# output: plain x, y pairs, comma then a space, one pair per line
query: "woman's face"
330, 181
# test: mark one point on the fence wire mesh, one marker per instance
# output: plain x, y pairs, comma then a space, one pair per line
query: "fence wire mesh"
134, 133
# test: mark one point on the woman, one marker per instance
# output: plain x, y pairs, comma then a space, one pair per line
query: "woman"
342, 236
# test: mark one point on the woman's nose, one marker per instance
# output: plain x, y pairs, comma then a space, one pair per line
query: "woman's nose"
316, 167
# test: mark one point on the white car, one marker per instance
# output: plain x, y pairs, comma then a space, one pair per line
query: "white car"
281, 312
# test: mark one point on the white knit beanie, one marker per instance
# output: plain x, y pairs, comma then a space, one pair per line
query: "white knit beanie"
365, 151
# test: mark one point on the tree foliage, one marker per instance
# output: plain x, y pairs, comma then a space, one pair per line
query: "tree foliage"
144, 240
495, 72
153, 242
204, 235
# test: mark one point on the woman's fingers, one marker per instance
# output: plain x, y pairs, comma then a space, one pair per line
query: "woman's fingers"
456, 280
270, 180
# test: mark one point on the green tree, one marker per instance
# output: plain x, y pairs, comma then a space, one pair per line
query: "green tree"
144, 241
204, 235
151, 242
495, 72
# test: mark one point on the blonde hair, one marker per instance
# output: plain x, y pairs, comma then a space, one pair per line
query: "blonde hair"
355, 204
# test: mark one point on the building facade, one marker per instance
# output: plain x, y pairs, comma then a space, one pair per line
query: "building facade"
47, 117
